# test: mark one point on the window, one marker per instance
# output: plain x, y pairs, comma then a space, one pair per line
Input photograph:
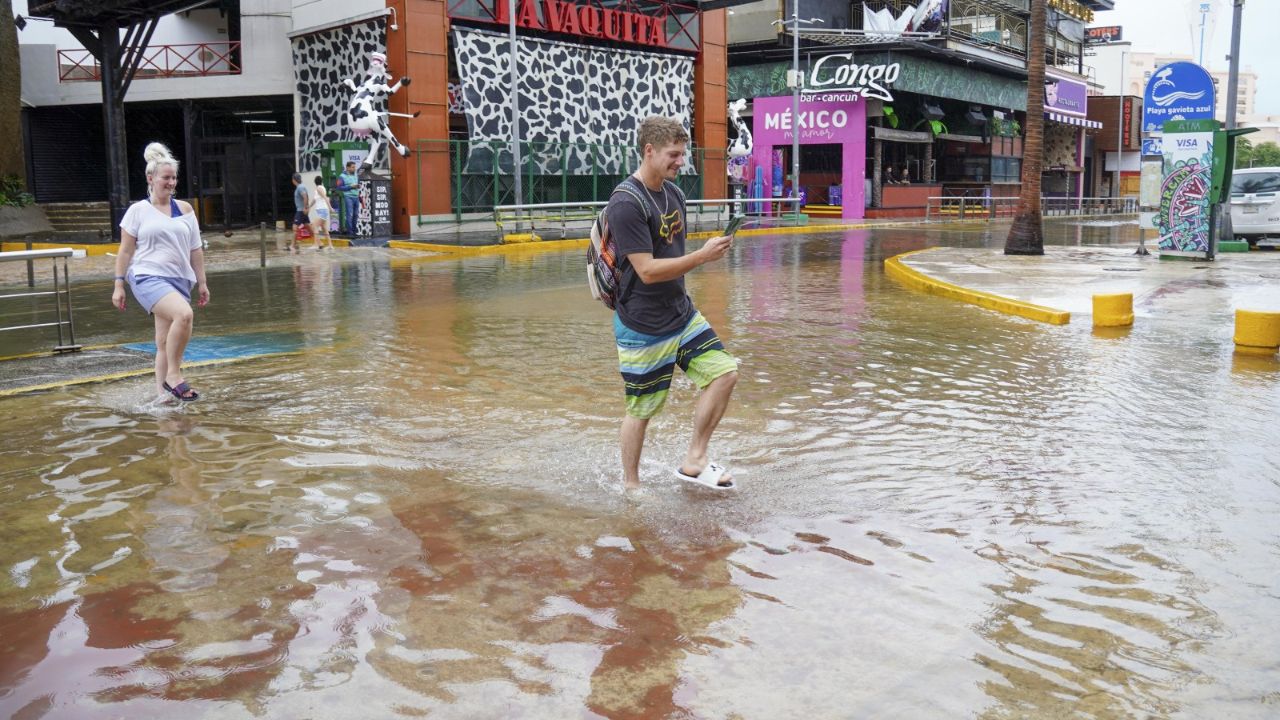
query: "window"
1242, 183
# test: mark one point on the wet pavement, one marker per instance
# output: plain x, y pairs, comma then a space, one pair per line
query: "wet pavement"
1066, 278
944, 511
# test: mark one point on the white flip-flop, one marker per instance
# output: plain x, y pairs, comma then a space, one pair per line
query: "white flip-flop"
709, 477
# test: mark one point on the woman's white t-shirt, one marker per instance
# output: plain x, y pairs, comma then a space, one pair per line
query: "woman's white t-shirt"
321, 200
164, 243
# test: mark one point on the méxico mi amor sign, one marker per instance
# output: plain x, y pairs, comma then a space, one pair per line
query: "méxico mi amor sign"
659, 24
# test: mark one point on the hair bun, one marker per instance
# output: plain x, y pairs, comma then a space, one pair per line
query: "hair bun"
156, 152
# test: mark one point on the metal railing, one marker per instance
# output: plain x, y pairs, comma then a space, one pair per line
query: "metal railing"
480, 180
159, 61
579, 215
59, 290
988, 208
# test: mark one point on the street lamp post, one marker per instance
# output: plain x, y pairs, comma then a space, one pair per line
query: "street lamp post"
796, 82
515, 109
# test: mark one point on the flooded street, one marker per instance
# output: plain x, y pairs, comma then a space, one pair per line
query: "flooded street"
944, 512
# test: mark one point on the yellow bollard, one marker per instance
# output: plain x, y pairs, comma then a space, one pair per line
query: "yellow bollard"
1113, 310
1257, 332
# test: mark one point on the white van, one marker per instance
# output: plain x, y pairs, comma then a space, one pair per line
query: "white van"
1255, 204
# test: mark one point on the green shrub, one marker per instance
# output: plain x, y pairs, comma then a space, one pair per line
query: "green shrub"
12, 193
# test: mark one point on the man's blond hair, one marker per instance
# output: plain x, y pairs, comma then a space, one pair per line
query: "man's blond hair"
660, 132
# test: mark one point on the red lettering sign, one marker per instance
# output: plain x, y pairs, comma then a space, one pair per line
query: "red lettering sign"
1127, 115
566, 16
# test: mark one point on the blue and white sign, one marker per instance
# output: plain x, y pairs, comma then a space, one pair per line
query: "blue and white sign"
1177, 91
1152, 146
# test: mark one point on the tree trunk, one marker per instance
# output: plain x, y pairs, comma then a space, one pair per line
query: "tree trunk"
1026, 237
12, 160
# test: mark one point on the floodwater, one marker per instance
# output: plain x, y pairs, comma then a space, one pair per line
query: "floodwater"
944, 512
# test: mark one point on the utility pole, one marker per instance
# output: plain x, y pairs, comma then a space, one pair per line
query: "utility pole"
796, 80
1119, 128
1225, 231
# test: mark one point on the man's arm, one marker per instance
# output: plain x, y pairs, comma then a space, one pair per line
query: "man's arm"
654, 270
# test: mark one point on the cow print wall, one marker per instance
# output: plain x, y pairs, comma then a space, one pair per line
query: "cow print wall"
321, 60
570, 93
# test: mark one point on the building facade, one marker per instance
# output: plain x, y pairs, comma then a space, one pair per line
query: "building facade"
940, 90
248, 91
214, 84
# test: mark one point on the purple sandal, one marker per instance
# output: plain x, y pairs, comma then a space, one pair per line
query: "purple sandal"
183, 391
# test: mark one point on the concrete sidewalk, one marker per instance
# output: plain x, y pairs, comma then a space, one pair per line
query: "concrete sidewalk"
1067, 278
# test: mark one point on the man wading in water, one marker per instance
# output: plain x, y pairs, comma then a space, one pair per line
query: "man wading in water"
656, 325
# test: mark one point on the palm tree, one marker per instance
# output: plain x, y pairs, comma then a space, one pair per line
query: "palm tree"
11, 157
1026, 237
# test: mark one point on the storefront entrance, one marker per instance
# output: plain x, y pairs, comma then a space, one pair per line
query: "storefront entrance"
839, 127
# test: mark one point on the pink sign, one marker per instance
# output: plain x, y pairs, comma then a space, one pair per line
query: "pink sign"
830, 119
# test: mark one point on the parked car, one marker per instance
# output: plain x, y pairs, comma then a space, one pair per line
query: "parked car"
1255, 204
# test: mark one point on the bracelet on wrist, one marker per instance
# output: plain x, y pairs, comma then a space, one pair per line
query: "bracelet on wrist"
119, 277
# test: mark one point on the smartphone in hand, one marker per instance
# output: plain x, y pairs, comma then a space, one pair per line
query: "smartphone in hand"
735, 222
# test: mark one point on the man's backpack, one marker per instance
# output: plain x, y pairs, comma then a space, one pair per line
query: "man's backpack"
604, 272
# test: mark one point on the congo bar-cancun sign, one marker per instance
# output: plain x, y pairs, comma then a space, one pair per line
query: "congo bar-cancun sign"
660, 24
838, 74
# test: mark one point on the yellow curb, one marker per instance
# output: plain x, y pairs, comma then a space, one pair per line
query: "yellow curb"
93, 249
50, 353
134, 373
896, 269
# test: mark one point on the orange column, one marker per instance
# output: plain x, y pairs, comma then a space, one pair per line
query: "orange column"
420, 50
711, 101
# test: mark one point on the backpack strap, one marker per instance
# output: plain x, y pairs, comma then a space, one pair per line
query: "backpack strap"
628, 187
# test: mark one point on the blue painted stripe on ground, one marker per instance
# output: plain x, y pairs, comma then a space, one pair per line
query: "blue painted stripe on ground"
228, 347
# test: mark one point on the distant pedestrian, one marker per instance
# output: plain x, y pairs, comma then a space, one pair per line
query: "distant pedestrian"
161, 257
301, 223
348, 187
320, 213
656, 327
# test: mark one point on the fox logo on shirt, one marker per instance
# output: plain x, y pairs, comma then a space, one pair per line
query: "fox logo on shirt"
669, 225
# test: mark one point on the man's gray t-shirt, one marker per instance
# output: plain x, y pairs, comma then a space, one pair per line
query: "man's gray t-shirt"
660, 308
299, 200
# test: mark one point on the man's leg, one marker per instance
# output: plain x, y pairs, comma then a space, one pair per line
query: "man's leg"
706, 416
632, 437
703, 358
352, 206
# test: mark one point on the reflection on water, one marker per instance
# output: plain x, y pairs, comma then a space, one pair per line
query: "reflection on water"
945, 512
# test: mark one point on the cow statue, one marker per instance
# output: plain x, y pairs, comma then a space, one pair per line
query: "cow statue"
363, 117
740, 148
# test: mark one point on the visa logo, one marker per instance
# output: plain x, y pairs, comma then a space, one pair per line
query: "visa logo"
1187, 143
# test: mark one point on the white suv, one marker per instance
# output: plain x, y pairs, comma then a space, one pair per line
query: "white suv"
1255, 204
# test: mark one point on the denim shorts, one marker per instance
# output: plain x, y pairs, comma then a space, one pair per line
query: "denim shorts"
148, 289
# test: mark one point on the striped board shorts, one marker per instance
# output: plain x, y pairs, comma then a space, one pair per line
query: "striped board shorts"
649, 361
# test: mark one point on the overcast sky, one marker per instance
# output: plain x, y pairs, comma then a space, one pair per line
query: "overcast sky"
1164, 26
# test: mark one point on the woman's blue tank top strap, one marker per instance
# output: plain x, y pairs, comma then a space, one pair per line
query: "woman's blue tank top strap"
173, 208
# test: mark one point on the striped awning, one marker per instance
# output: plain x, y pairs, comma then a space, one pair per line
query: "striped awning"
1072, 120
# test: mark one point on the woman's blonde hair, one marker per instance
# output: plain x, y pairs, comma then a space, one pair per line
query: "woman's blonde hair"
157, 155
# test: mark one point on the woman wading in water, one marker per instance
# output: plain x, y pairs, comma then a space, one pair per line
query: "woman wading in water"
162, 259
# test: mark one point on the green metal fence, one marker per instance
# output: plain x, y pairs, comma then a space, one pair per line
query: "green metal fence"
480, 175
